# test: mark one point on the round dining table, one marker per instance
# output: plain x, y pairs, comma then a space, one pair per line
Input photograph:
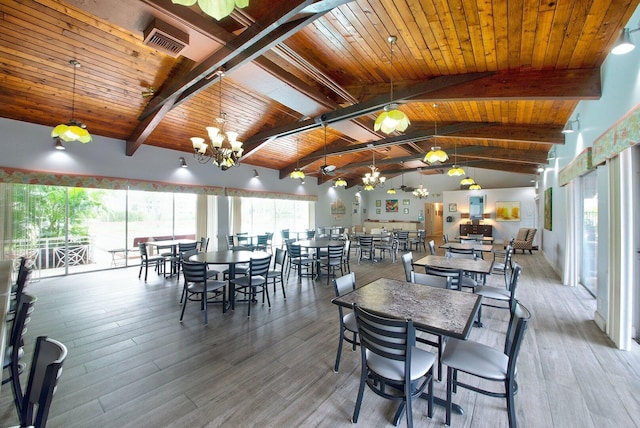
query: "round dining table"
318, 244
231, 259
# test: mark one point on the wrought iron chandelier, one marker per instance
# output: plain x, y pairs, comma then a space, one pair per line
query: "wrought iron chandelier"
73, 130
420, 192
223, 155
391, 119
373, 178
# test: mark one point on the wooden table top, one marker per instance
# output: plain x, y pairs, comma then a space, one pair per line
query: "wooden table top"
436, 310
475, 247
469, 265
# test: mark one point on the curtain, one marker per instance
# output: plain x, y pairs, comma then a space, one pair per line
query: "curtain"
570, 276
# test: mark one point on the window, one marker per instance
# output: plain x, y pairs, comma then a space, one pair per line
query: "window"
272, 215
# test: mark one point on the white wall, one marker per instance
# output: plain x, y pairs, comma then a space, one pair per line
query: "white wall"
502, 230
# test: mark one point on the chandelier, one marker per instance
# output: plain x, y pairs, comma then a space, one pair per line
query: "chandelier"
372, 179
391, 119
217, 9
341, 182
436, 154
297, 173
72, 130
223, 155
420, 192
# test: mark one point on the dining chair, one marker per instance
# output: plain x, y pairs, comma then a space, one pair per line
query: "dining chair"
440, 340
403, 240
284, 234
388, 245
46, 367
176, 260
503, 267
200, 288
254, 281
298, 261
203, 244
445, 238
407, 263
145, 260
482, 361
454, 276
277, 273
346, 259
366, 247
332, 261
391, 364
269, 241
432, 247
311, 234
22, 279
494, 295
261, 244
418, 241
15, 346
468, 281
348, 328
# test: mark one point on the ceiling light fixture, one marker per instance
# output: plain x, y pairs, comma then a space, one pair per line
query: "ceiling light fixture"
568, 127
297, 173
256, 174
420, 192
624, 44
223, 157
474, 185
540, 168
455, 170
373, 178
217, 9
73, 130
59, 145
341, 182
436, 154
183, 162
392, 191
391, 119
467, 181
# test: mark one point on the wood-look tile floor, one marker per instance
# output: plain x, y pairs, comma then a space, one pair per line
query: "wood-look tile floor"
132, 364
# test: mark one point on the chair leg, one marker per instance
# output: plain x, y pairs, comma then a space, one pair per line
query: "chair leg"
363, 379
336, 367
449, 393
511, 407
184, 304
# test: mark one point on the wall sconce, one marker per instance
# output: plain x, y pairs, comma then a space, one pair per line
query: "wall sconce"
552, 154
624, 44
59, 145
256, 174
183, 162
569, 129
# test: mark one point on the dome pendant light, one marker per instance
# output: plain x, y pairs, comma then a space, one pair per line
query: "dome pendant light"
391, 119
73, 130
436, 154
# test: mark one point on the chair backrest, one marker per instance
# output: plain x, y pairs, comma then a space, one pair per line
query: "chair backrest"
284, 233
520, 317
407, 262
262, 240
366, 241
402, 235
230, 242
468, 241
432, 247
445, 237
515, 279
142, 247
476, 236
203, 244
24, 309
23, 278
45, 372
280, 257
454, 276
259, 267
461, 253
182, 247
187, 254
435, 281
194, 271
344, 284
311, 234
386, 337
507, 257
347, 248
335, 252
294, 250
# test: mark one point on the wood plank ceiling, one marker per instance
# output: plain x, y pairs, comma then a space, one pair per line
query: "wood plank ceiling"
505, 76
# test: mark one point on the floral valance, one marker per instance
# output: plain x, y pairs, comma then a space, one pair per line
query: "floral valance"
622, 135
577, 167
269, 195
20, 176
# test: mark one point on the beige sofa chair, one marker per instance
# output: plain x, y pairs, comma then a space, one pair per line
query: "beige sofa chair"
524, 240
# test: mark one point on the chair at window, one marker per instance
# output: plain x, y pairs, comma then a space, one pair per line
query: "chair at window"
403, 240
499, 294
366, 249
388, 245
348, 328
333, 261
418, 241
392, 366
14, 350
311, 234
191, 247
432, 247
298, 260
453, 276
269, 241
24, 273
277, 273
253, 282
200, 288
284, 234
261, 244
503, 267
203, 244
407, 263
46, 367
145, 260
435, 281
488, 363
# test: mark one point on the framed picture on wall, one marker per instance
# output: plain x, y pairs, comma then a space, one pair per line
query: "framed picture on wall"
453, 208
548, 209
508, 211
378, 203
406, 210
406, 201
392, 205
377, 210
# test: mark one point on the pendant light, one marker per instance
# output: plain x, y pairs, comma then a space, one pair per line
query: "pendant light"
297, 173
217, 9
455, 171
391, 119
73, 130
436, 154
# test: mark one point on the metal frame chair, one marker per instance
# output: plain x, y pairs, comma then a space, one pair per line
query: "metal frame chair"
343, 285
256, 279
197, 283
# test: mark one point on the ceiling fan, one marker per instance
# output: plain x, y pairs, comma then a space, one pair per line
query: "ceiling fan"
403, 187
326, 169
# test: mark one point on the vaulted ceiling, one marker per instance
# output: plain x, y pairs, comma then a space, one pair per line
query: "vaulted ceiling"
505, 76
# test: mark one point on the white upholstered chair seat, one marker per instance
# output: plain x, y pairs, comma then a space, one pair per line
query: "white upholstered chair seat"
476, 358
421, 363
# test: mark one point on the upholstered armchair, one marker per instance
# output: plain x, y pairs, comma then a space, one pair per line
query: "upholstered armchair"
524, 240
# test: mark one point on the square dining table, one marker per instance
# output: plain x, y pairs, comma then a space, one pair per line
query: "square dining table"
433, 310
477, 266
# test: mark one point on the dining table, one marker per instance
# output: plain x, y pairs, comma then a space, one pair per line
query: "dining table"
440, 311
318, 245
485, 239
231, 259
484, 248
173, 245
474, 266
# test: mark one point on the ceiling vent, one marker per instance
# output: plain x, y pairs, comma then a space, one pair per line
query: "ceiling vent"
165, 38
